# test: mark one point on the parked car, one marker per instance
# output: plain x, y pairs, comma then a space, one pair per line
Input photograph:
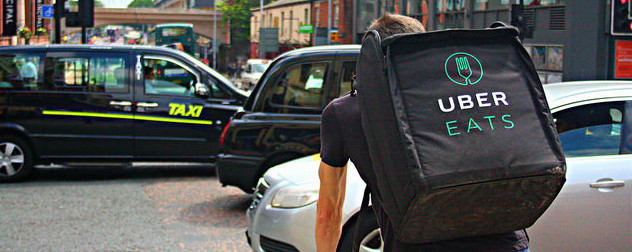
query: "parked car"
253, 70
92, 103
281, 119
592, 212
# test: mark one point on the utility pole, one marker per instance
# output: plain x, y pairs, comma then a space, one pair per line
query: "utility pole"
261, 52
59, 10
215, 47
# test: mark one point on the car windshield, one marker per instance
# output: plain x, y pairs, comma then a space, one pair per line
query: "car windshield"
212, 72
259, 68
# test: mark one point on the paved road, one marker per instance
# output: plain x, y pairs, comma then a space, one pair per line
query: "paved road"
139, 208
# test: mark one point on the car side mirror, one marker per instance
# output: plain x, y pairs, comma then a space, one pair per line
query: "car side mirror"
202, 90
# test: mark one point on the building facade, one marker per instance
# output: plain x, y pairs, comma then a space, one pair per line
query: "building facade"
287, 16
568, 40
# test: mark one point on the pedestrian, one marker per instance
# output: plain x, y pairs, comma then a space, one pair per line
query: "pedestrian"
343, 139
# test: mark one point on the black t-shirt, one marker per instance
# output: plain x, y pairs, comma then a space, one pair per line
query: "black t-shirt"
342, 139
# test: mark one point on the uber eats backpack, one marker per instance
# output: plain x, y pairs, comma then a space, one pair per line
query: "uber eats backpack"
459, 131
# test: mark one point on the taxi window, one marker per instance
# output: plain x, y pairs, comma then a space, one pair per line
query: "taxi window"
590, 130
20, 72
346, 76
301, 86
164, 76
96, 74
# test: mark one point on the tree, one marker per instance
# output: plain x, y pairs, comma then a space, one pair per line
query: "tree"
236, 13
141, 4
75, 3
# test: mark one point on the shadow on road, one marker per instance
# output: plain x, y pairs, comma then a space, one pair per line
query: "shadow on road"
224, 211
111, 172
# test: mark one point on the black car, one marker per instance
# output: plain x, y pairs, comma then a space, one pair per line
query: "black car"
62, 103
281, 119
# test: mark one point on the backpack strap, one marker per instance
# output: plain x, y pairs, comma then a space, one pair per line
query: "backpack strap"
363, 209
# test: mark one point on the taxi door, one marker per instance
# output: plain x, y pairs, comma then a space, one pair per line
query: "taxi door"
171, 122
87, 108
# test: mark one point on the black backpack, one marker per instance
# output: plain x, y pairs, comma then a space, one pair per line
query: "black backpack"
460, 135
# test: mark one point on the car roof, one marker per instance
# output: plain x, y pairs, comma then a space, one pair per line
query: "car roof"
329, 49
90, 47
567, 93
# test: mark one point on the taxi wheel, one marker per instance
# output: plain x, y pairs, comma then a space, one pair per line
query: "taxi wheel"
369, 236
16, 158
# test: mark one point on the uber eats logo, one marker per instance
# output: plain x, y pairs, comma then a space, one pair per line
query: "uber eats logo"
465, 69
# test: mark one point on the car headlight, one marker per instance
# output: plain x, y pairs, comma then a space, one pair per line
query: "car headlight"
296, 196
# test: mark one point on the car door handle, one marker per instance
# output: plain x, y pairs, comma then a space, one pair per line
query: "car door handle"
147, 104
120, 103
607, 184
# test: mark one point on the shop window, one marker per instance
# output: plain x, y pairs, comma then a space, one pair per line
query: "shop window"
548, 60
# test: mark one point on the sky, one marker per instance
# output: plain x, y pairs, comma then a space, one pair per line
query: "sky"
116, 3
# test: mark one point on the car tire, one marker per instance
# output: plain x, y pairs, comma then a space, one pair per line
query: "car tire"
16, 158
369, 239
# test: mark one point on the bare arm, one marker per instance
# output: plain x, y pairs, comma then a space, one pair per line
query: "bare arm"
329, 207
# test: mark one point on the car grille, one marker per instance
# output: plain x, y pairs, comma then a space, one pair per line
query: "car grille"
262, 187
269, 245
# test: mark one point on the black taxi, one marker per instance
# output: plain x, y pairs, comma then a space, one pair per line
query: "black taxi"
62, 103
281, 119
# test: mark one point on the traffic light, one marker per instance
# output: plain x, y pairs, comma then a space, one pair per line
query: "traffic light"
621, 22
83, 17
334, 37
86, 12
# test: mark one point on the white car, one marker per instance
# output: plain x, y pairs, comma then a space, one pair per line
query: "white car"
252, 72
593, 212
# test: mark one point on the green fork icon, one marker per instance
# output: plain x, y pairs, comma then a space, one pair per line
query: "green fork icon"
464, 69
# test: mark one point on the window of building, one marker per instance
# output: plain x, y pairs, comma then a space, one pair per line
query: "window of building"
419, 10
306, 16
548, 60
291, 31
590, 130
301, 86
100, 74
336, 15
20, 72
282, 23
506, 4
450, 13
317, 21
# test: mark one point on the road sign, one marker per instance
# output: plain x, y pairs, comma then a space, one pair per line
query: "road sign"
48, 11
269, 39
306, 29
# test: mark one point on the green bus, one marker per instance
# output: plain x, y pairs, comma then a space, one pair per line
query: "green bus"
175, 35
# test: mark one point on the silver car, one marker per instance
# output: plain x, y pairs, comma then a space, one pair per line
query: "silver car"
593, 212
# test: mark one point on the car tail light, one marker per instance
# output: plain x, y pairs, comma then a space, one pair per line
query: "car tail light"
221, 139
